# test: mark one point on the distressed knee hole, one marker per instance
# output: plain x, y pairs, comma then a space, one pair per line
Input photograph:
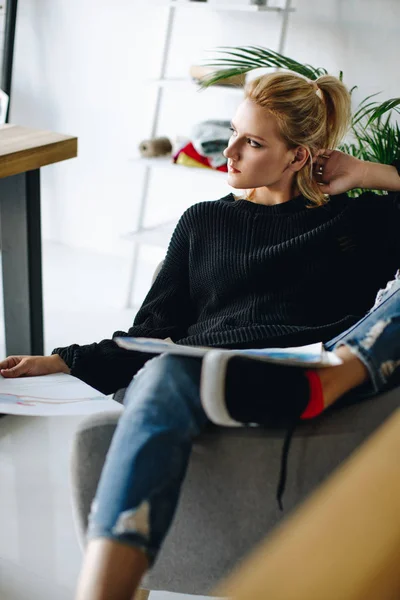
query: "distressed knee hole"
373, 334
388, 367
135, 520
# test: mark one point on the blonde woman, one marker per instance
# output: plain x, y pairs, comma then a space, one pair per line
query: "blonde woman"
291, 262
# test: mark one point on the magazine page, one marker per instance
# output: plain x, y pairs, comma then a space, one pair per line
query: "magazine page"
51, 395
313, 354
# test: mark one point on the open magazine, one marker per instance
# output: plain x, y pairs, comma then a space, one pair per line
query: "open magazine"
313, 354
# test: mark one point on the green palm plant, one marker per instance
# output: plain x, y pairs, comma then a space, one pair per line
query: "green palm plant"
374, 134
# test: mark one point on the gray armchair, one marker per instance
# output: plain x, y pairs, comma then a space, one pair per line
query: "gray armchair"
228, 501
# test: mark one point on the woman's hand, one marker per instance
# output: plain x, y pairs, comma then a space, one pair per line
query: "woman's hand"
337, 172
31, 366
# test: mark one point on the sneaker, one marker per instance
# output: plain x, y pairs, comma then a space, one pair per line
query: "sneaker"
237, 390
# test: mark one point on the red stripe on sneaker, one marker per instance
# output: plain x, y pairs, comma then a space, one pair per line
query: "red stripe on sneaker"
315, 405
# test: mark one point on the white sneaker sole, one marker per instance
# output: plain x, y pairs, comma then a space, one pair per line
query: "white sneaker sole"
212, 388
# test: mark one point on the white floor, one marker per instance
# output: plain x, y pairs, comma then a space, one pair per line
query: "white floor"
84, 295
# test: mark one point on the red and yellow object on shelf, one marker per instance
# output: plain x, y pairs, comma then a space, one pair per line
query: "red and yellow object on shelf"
189, 157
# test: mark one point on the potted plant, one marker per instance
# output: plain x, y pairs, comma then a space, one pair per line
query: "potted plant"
374, 133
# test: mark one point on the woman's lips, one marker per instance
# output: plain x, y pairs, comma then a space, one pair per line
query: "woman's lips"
232, 169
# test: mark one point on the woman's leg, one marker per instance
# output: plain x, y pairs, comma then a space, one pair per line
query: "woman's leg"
141, 479
370, 349
110, 570
281, 394
338, 381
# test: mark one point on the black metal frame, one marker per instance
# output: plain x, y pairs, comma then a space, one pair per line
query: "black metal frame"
20, 234
8, 51
22, 263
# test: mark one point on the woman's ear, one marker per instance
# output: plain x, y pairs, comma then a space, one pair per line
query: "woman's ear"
301, 155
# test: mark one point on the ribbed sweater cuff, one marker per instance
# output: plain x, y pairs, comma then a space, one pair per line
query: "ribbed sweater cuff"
69, 354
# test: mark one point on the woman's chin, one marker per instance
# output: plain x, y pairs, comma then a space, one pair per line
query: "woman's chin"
234, 181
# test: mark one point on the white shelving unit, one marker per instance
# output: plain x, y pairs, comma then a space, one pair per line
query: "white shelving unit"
229, 7
186, 81
149, 235
167, 163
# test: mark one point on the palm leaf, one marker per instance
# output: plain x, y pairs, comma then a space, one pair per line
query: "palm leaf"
382, 140
246, 58
363, 107
374, 110
382, 108
217, 77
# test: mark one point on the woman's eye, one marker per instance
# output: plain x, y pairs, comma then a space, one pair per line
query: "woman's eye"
249, 141
253, 144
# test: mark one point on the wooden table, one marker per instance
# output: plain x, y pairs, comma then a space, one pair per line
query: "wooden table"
22, 152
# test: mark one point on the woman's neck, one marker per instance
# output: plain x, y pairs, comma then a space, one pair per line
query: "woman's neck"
270, 195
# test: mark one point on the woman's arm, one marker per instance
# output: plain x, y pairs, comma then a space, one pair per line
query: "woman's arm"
337, 172
380, 177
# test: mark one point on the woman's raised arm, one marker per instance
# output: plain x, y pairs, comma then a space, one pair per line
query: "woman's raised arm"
337, 172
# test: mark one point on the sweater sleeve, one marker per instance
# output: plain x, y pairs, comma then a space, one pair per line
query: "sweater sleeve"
166, 312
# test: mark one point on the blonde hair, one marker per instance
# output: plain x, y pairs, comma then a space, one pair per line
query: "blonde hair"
313, 114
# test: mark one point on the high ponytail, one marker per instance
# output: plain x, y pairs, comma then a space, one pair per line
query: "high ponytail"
313, 114
337, 103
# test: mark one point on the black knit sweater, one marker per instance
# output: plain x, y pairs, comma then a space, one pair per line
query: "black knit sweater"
244, 275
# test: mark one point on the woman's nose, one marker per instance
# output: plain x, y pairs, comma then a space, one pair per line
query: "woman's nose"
230, 151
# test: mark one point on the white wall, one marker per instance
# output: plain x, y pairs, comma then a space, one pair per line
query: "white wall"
79, 69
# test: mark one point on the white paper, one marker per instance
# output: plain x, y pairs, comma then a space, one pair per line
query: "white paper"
312, 354
51, 395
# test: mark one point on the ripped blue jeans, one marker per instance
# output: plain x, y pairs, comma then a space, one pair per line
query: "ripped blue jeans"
375, 340
140, 483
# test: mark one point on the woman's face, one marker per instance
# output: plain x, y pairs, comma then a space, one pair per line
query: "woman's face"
257, 155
